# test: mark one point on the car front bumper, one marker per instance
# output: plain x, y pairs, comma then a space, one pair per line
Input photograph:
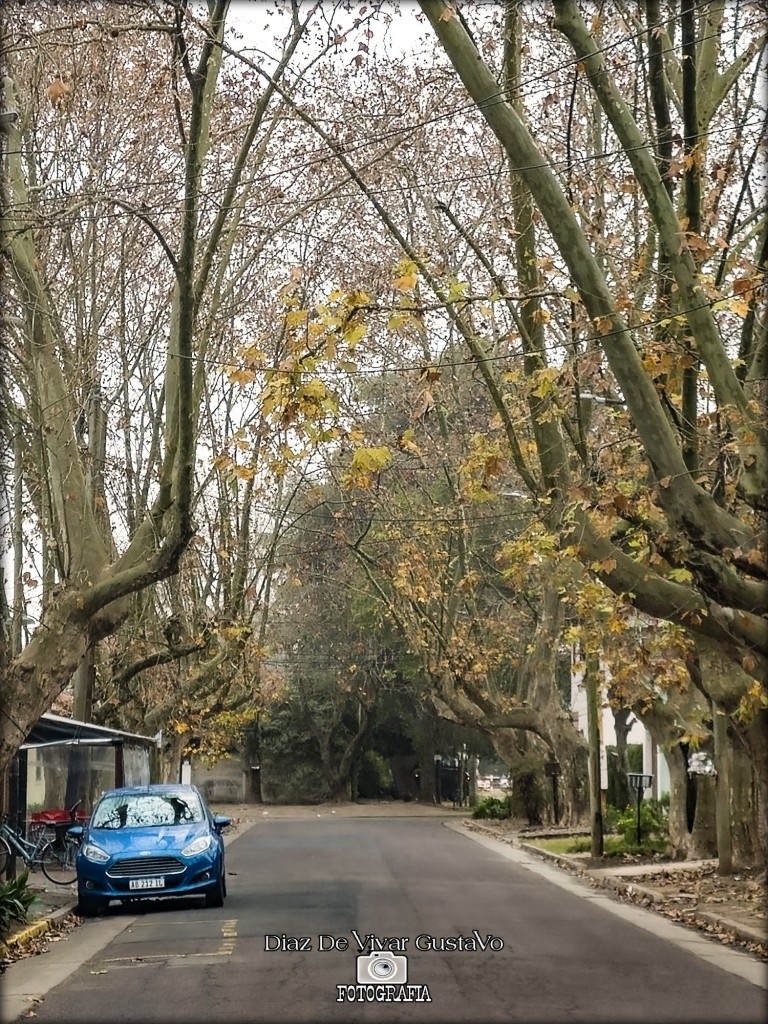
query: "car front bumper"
199, 876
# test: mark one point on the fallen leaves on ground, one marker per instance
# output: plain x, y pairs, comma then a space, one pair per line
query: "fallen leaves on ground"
39, 943
686, 894
682, 894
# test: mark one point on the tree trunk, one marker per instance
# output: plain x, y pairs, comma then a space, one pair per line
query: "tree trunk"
745, 818
756, 733
83, 683
550, 720
252, 759
339, 790
722, 791
702, 843
170, 759
679, 833
731, 691
90, 604
524, 754
424, 746
572, 756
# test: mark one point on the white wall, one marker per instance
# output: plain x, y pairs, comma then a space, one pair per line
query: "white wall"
224, 783
654, 762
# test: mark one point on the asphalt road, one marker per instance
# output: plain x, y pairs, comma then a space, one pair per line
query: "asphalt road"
285, 947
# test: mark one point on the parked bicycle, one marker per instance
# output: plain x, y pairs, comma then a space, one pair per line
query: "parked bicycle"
56, 857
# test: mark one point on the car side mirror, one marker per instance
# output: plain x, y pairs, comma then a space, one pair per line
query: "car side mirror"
76, 831
220, 821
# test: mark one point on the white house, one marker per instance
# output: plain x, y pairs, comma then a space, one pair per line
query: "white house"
654, 762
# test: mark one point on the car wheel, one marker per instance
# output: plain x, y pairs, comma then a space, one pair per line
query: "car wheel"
215, 898
90, 906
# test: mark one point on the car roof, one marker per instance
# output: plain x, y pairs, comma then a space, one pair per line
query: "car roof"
159, 788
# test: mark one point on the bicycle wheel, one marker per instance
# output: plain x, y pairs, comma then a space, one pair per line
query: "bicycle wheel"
5, 856
58, 862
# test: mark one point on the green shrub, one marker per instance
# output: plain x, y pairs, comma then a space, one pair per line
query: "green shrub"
374, 776
653, 822
15, 900
494, 807
610, 818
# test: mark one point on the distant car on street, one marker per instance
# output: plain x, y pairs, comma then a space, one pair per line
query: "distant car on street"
150, 841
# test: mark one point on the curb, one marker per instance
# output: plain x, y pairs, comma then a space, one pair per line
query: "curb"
39, 927
562, 859
743, 932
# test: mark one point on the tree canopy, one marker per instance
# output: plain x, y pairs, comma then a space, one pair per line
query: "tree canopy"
459, 308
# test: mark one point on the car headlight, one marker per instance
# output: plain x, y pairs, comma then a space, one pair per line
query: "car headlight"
196, 846
95, 853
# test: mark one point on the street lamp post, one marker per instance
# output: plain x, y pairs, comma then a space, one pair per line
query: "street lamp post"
639, 782
438, 780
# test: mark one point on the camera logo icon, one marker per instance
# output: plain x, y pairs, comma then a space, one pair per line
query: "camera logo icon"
377, 968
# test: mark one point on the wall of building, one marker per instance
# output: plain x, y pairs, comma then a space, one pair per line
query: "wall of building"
654, 762
224, 783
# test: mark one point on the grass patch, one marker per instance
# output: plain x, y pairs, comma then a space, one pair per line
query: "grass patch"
564, 845
613, 846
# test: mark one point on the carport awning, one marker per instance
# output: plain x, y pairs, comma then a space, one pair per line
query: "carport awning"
53, 730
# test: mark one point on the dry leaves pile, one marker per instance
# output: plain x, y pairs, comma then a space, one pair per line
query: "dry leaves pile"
690, 896
38, 943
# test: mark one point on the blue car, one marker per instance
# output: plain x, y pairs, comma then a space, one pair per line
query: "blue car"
150, 841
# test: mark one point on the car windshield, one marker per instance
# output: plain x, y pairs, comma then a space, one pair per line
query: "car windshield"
137, 810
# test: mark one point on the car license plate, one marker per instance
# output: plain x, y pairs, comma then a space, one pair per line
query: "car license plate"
146, 883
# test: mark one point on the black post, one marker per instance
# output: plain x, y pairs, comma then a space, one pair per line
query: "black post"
14, 805
438, 780
639, 782
552, 768
119, 764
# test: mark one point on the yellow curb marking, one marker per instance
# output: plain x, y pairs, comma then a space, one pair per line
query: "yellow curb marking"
30, 932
